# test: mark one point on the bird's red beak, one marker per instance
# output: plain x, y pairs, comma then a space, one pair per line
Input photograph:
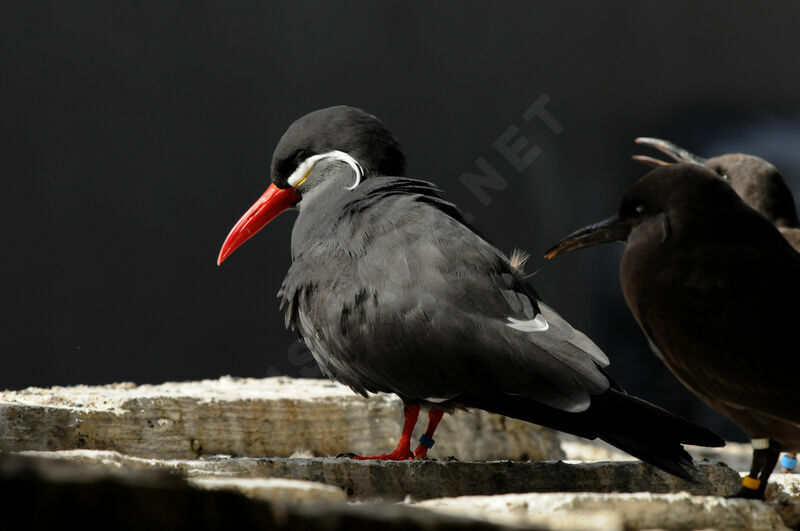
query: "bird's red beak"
274, 201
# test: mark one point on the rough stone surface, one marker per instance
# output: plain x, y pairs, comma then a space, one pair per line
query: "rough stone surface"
632, 511
783, 492
287, 491
215, 455
430, 479
120, 484
735, 455
579, 449
58, 494
246, 417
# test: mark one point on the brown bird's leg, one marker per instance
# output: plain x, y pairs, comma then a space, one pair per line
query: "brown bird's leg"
770, 460
403, 450
765, 456
426, 441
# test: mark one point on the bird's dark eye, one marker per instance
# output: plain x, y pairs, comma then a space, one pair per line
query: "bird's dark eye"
299, 157
640, 209
721, 173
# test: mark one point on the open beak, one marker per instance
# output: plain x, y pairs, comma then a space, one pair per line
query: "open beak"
650, 161
274, 201
677, 154
608, 230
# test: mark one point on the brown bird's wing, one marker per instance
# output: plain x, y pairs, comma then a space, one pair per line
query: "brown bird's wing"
726, 350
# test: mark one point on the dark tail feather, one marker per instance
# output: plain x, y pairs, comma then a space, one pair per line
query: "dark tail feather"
637, 427
648, 432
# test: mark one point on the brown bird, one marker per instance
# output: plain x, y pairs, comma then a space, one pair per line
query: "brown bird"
715, 288
757, 182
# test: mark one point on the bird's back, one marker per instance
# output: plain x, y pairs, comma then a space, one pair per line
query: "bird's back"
399, 295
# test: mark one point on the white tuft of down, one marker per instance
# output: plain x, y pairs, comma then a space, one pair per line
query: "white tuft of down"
537, 324
304, 168
517, 260
437, 400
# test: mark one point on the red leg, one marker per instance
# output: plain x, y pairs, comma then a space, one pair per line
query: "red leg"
403, 450
434, 418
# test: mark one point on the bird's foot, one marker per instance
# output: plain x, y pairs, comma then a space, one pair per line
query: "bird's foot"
751, 489
748, 494
396, 455
421, 452
426, 442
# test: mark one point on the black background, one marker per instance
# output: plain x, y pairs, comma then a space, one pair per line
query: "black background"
133, 135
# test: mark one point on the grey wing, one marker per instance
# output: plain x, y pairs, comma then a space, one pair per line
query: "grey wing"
435, 313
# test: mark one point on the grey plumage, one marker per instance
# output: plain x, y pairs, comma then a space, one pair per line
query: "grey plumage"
425, 312
393, 291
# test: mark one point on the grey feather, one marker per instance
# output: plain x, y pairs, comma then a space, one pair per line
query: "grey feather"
405, 298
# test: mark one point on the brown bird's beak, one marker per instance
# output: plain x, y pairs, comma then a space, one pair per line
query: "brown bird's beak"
677, 154
608, 230
650, 161
274, 201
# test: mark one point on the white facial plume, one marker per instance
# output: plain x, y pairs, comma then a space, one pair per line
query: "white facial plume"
304, 168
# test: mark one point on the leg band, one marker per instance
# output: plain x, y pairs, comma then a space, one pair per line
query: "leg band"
760, 444
751, 483
427, 441
789, 463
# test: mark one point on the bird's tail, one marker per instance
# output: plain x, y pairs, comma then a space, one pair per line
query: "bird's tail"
650, 433
637, 427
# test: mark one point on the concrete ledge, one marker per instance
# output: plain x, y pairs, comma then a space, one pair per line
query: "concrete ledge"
628, 511
216, 454
49, 494
246, 417
285, 491
783, 492
429, 479
89, 483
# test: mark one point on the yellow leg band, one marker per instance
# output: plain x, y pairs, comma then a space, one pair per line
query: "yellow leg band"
751, 483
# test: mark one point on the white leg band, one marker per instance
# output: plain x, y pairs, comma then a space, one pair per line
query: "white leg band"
760, 444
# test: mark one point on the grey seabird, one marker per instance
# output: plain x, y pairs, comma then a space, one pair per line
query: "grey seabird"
394, 292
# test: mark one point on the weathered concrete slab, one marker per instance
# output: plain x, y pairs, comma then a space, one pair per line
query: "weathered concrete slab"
430, 479
735, 455
632, 511
285, 491
139, 493
54, 494
246, 417
783, 492
188, 454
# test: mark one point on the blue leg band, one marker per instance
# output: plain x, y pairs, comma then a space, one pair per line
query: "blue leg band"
427, 441
789, 463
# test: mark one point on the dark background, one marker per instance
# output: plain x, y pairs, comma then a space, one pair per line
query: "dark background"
133, 136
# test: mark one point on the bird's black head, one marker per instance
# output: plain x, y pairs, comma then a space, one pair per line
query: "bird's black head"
682, 197
344, 133
757, 182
